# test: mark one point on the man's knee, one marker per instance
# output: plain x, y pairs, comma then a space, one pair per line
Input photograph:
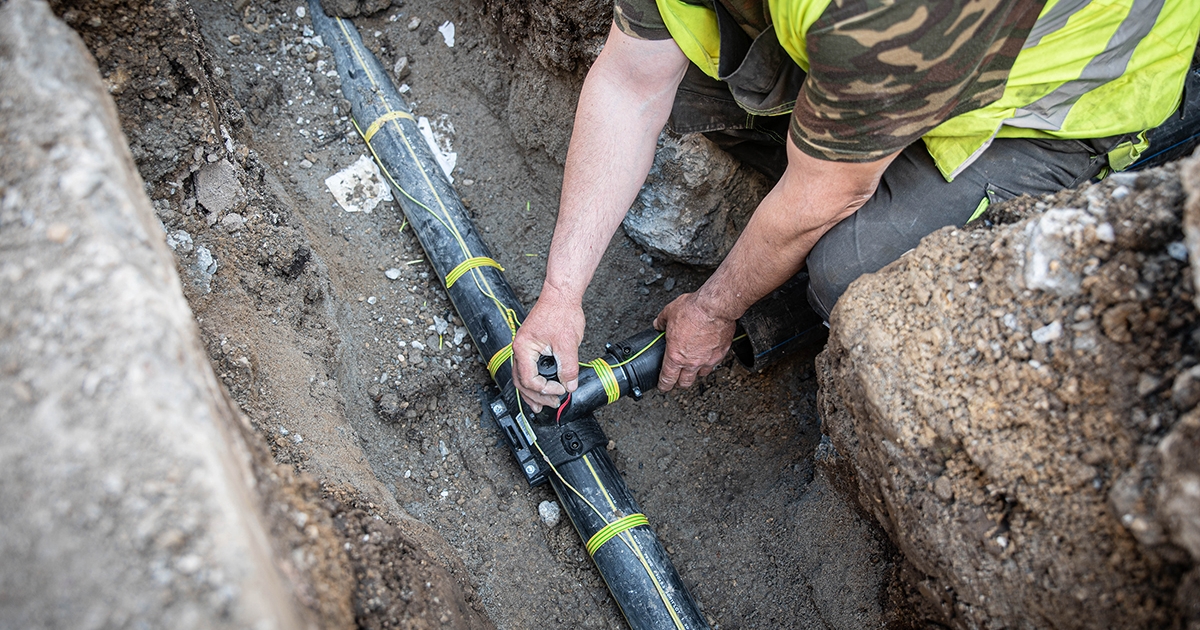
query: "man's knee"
823, 290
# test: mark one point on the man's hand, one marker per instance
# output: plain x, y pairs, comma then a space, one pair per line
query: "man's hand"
697, 340
554, 326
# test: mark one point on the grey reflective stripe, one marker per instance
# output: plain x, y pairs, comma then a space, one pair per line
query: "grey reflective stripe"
1049, 112
1053, 20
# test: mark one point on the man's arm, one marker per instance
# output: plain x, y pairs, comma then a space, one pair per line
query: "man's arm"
812, 197
624, 104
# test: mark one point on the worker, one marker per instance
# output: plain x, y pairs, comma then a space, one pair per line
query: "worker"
883, 121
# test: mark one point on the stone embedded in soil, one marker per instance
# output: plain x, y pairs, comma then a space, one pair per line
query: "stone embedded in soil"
695, 202
354, 8
218, 189
993, 395
401, 69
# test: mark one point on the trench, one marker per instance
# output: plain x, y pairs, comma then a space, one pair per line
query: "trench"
348, 383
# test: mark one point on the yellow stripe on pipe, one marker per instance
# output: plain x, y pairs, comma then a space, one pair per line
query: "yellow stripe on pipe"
467, 265
608, 532
391, 115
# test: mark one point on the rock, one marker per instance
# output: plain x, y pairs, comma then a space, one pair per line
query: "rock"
389, 405
401, 70
205, 264
128, 497
1051, 237
1191, 219
695, 202
1036, 475
354, 8
550, 513
218, 189
414, 23
233, 222
1179, 493
1185, 391
393, 273
1047, 333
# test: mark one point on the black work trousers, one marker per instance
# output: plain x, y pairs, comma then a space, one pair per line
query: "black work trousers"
913, 199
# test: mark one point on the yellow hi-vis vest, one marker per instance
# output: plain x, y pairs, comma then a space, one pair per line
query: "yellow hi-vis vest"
1089, 69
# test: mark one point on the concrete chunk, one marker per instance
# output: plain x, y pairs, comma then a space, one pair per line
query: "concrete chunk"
127, 498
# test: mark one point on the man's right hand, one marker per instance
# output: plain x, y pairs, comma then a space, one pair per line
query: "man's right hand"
554, 326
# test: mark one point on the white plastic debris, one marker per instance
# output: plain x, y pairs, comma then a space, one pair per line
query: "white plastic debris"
447, 31
439, 143
550, 513
299, 11
359, 187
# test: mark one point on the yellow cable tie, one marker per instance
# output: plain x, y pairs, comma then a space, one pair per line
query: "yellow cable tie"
607, 379
500, 358
374, 127
467, 265
608, 532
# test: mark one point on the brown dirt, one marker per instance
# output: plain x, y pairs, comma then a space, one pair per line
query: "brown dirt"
1009, 436
317, 347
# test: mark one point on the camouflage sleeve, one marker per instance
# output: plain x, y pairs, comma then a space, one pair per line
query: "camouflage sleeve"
640, 19
882, 73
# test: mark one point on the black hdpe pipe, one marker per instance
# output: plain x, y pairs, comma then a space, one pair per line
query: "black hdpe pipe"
779, 325
564, 446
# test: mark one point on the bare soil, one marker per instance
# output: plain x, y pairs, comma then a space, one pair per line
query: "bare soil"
1007, 395
339, 371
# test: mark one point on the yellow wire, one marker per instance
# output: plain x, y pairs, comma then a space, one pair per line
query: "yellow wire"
382, 120
606, 533
467, 265
502, 355
609, 380
630, 542
484, 288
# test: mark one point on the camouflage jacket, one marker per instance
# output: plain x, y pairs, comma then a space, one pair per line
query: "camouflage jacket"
881, 72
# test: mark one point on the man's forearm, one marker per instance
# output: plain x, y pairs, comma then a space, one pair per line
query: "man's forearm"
813, 196
623, 106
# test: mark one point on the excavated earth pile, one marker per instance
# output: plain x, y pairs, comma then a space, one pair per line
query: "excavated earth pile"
1016, 404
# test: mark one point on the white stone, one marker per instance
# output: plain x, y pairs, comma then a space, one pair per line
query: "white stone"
1048, 333
1051, 238
550, 513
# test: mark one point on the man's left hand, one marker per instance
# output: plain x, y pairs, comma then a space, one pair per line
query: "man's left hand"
696, 341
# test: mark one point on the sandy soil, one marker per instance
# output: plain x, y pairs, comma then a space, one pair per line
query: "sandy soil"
320, 348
